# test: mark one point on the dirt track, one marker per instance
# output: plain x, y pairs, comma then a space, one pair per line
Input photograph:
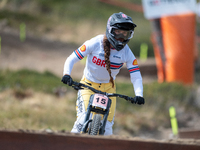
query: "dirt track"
35, 54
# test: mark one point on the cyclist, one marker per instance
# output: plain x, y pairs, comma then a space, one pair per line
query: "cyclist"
106, 54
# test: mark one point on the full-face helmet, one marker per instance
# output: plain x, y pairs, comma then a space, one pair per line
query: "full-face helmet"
120, 29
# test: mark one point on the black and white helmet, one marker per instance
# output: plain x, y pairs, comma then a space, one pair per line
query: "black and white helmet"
119, 21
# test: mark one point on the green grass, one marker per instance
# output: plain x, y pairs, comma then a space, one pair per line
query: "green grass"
24, 79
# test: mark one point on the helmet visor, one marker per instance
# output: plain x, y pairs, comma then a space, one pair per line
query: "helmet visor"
124, 34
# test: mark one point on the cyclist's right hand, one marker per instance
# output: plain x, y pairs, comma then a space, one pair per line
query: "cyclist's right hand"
66, 79
138, 100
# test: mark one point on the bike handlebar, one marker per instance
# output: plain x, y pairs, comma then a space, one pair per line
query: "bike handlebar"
78, 86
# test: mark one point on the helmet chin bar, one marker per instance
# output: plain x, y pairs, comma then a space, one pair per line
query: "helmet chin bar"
120, 45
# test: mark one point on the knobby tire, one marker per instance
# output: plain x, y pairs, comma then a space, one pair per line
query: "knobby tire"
95, 124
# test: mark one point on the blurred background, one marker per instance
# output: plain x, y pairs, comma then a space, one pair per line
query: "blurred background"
71, 21
35, 39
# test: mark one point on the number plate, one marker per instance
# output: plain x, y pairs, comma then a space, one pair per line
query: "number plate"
100, 100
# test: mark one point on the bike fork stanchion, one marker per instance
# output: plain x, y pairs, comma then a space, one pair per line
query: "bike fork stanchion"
87, 119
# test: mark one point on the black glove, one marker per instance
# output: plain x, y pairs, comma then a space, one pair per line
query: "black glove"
67, 80
138, 100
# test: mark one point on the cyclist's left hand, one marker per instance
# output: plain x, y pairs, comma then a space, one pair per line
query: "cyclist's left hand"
138, 100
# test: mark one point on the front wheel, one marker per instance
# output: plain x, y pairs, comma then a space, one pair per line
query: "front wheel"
94, 128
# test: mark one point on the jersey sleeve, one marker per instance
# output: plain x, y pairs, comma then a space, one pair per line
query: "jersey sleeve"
76, 56
135, 74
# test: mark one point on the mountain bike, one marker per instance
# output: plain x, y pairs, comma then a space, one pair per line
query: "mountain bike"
99, 105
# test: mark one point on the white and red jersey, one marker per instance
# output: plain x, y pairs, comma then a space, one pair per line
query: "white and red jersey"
95, 69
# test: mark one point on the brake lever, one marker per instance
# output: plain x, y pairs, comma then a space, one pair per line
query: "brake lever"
127, 98
77, 87
132, 100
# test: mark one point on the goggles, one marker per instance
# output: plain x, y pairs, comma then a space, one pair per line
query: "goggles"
124, 34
